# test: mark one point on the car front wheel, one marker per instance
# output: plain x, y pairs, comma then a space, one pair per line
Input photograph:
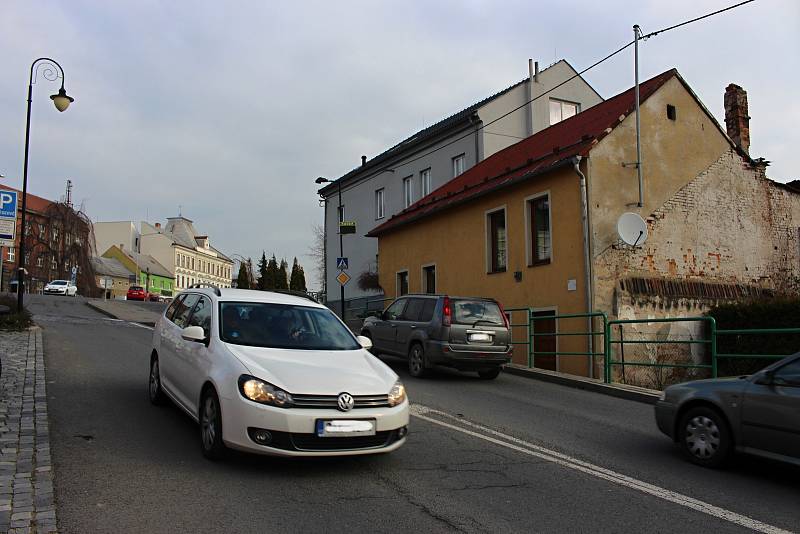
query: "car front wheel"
211, 427
704, 437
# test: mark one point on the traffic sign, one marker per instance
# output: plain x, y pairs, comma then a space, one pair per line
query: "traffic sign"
341, 264
343, 278
347, 227
8, 217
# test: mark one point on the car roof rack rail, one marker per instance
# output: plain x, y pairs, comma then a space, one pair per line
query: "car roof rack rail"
207, 285
301, 294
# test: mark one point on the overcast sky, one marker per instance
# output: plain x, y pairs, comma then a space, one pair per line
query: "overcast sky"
230, 110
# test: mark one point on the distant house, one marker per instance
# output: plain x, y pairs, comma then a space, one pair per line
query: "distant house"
150, 274
535, 225
186, 253
113, 270
386, 184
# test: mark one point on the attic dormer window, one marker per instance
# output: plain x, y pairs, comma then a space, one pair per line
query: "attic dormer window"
561, 110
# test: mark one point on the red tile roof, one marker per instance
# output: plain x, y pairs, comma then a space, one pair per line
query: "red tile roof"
545, 150
34, 203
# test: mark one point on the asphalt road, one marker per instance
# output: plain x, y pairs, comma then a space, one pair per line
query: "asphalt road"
510, 455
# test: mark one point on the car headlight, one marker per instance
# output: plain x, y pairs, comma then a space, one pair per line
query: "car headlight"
397, 394
262, 392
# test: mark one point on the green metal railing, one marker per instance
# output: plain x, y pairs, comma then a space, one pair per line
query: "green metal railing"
605, 347
711, 341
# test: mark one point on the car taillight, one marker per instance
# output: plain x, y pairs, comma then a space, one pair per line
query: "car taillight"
447, 313
505, 317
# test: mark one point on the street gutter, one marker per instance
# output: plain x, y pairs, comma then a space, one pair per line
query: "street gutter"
622, 391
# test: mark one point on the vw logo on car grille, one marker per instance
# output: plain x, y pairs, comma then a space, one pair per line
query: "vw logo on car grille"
345, 402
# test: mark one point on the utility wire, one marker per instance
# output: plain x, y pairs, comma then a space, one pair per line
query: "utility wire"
653, 34
576, 75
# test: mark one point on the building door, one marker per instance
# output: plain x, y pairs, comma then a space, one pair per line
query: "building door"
544, 343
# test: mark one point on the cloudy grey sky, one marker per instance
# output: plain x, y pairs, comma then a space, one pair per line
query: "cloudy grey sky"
232, 109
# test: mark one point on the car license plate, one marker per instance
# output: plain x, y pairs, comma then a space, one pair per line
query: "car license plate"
331, 428
480, 336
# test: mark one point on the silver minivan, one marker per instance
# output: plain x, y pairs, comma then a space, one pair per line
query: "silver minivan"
467, 333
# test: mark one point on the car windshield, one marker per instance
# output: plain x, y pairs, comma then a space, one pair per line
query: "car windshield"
58, 283
476, 311
280, 326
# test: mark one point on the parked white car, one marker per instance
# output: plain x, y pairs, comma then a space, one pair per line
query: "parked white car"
61, 287
275, 374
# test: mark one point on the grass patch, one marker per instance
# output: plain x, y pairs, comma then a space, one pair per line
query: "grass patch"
14, 321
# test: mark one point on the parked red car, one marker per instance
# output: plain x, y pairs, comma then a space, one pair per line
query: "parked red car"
137, 293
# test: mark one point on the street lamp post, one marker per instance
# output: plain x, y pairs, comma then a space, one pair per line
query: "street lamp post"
340, 216
62, 102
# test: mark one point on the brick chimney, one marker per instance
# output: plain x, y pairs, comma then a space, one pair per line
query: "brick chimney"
737, 121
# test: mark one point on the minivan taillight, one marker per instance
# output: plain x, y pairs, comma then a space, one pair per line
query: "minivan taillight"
505, 317
447, 312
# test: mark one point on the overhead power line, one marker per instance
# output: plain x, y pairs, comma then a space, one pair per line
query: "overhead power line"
576, 75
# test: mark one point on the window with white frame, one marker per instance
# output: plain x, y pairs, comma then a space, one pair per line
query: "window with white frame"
402, 283
380, 204
11, 255
458, 165
425, 181
541, 235
408, 191
497, 246
561, 110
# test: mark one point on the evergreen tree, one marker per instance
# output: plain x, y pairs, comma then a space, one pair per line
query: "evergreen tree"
282, 279
263, 273
243, 281
271, 274
297, 280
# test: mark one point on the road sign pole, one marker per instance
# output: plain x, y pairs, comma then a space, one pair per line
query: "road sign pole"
341, 252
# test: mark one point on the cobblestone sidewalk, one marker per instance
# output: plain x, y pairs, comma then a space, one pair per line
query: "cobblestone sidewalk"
26, 477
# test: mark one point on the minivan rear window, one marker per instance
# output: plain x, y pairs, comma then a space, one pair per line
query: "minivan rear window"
473, 312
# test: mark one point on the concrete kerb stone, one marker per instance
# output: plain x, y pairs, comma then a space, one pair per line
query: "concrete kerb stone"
121, 311
647, 396
27, 503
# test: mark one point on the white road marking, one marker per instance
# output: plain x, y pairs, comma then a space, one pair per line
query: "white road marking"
140, 325
525, 447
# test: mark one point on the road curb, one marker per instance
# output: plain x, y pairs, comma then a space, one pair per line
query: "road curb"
107, 313
647, 396
101, 310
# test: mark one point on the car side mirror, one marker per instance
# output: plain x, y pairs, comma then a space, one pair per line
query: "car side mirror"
194, 333
767, 378
384, 316
365, 342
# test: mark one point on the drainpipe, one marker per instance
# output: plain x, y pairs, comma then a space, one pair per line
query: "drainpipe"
587, 266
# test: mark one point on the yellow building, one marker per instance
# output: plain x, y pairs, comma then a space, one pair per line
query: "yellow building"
535, 225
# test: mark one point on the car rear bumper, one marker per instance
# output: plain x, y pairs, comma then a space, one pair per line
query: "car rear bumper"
441, 353
665, 418
292, 430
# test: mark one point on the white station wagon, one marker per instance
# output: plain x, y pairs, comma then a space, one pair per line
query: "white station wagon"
273, 373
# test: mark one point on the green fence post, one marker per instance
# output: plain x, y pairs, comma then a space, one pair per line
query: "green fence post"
607, 352
713, 347
530, 339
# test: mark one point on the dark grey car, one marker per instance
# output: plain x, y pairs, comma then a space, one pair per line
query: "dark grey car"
467, 333
757, 414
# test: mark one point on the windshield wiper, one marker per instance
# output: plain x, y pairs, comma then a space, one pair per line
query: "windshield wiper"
485, 321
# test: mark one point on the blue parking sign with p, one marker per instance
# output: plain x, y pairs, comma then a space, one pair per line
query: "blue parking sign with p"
8, 204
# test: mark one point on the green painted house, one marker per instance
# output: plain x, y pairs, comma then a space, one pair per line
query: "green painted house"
151, 275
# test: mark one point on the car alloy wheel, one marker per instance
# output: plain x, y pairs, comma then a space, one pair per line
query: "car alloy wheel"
211, 427
416, 361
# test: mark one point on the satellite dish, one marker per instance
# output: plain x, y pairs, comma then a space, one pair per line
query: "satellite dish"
632, 229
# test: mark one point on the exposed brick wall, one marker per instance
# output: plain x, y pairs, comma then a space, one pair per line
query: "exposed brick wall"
730, 225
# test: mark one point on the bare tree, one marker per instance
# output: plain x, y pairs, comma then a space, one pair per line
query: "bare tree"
317, 253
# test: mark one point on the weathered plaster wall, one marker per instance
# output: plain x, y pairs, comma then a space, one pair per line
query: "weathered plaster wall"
729, 225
